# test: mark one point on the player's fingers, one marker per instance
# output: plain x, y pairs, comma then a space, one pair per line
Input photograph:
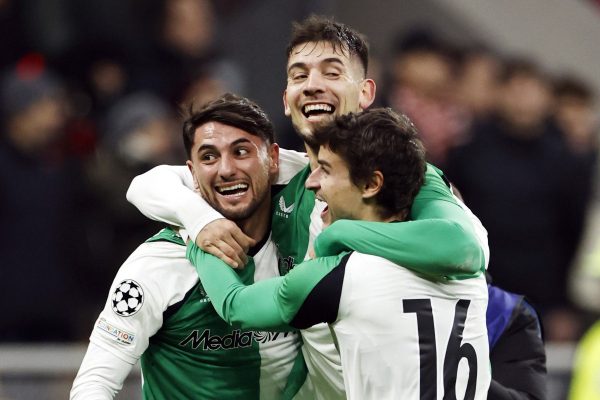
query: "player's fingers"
229, 252
239, 251
243, 240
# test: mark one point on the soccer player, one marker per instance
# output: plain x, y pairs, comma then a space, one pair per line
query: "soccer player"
400, 335
157, 310
327, 65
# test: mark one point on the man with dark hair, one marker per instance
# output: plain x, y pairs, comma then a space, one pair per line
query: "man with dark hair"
158, 311
378, 311
325, 79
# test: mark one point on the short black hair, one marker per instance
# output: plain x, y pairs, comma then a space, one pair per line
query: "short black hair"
379, 140
574, 87
317, 28
524, 67
228, 109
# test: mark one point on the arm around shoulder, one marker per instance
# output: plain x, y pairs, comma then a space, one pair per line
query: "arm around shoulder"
166, 193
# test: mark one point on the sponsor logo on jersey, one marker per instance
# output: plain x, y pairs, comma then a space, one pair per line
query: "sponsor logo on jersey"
284, 210
235, 340
120, 335
127, 298
203, 295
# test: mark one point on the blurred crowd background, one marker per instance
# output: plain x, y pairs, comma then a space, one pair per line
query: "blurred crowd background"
90, 96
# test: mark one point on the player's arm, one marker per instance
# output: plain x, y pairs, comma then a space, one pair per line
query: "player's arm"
100, 376
272, 304
166, 193
120, 335
518, 358
443, 237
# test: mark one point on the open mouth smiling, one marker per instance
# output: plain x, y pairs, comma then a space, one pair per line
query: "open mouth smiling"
232, 190
311, 110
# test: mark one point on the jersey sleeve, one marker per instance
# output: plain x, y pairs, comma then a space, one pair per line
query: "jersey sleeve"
101, 375
270, 304
150, 281
290, 163
443, 238
166, 193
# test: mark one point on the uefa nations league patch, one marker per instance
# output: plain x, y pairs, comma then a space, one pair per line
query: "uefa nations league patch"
127, 299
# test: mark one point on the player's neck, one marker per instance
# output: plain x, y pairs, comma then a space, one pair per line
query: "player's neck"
374, 213
257, 225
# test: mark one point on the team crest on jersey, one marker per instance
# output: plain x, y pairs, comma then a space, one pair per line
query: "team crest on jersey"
284, 210
127, 299
285, 264
120, 335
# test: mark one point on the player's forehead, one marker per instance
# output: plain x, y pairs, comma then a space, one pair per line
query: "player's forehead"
330, 159
311, 53
216, 133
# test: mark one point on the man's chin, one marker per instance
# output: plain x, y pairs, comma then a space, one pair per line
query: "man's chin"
234, 213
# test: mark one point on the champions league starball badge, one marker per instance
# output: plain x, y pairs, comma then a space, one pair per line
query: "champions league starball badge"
127, 299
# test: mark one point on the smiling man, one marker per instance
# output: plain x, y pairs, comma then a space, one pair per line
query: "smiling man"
400, 335
158, 311
326, 78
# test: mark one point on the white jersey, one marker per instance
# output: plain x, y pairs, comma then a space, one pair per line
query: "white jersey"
404, 337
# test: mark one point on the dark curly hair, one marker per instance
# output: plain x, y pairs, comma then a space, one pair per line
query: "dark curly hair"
228, 109
379, 140
317, 28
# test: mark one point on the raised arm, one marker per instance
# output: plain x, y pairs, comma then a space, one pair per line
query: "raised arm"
443, 237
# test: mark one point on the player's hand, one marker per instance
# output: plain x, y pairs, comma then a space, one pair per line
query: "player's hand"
224, 239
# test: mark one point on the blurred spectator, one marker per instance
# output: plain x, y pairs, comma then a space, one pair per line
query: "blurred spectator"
185, 45
517, 175
42, 206
139, 132
576, 116
576, 105
477, 86
100, 75
210, 82
423, 78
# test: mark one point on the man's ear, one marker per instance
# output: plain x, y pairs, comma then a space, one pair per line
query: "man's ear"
274, 153
190, 166
286, 107
367, 93
373, 185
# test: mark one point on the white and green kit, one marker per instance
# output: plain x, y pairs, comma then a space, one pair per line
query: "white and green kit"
158, 312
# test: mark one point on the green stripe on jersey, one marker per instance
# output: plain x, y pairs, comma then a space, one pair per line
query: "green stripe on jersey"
290, 223
195, 354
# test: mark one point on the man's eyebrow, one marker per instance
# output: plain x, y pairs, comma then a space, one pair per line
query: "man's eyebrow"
240, 140
302, 65
323, 163
208, 146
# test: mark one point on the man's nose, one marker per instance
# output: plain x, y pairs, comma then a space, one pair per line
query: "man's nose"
314, 180
314, 83
227, 166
